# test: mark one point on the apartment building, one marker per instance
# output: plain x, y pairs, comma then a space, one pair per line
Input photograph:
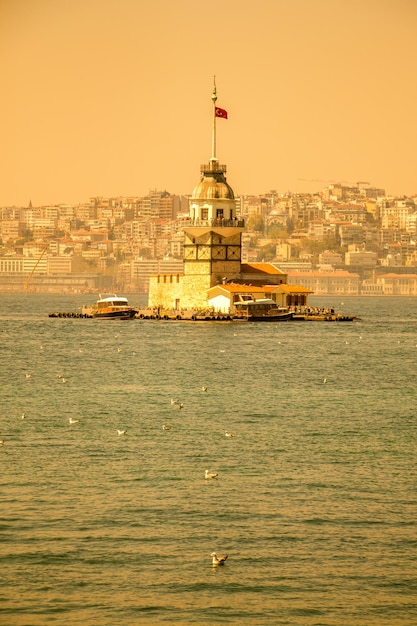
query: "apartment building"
335, 282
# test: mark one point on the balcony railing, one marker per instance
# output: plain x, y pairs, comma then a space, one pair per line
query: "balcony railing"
213, 166
216, 222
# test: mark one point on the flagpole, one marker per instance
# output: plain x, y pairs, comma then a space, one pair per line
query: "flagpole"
213, 138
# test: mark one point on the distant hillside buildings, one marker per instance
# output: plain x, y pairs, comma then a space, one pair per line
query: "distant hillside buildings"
343, 239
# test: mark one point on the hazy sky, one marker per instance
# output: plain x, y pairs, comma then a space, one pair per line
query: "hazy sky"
113, 97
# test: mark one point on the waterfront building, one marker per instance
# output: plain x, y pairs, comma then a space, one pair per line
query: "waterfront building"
330, 283
224, 297
391, 285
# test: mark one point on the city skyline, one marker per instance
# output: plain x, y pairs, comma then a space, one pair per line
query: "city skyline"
114, 99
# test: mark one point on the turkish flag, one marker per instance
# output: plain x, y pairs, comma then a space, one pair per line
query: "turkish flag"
221, 113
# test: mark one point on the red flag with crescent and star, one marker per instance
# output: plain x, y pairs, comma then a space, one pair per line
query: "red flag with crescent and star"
221, 113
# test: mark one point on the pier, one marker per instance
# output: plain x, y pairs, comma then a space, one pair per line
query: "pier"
208, 315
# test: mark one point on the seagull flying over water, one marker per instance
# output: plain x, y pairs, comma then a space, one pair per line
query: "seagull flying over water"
217, 560
121, 432
209, 475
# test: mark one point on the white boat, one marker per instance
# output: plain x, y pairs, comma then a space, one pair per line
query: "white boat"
110, 307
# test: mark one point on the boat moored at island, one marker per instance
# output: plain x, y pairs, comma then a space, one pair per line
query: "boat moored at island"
110, 307
263, 310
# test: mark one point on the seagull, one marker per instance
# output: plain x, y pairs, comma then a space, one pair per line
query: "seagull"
1, 442
64, 380
229, 434
73, 421
181, 405
324, 380
217, 560
209, 475
119, 349
28, 375
166, 427
203, 388
23, 416
121, 432
174, 401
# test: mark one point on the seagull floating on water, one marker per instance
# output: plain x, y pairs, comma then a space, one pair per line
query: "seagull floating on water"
73, 421
28, 375
228, 434
23, 416
121, 432
217, 560
203, 388
166, 427
209, 475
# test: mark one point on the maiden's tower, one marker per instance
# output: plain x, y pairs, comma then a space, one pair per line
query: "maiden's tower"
212, 238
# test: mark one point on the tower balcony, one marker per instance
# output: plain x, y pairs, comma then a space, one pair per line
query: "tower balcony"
213, 167
225, 228
217, 222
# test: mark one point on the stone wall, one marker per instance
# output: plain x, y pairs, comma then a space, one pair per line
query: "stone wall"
190, 292
194, 291
165, 290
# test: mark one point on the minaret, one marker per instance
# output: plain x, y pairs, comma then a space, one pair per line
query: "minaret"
213, 238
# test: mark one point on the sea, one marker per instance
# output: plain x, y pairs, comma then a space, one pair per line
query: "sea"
315, 502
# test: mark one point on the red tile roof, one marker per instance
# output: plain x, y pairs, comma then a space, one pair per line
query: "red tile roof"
260, 268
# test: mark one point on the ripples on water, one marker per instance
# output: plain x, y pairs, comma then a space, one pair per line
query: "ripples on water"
315, 502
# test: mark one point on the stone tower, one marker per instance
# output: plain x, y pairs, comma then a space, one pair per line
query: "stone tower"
213, 236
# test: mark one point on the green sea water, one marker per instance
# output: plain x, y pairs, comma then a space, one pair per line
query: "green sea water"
315, 499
